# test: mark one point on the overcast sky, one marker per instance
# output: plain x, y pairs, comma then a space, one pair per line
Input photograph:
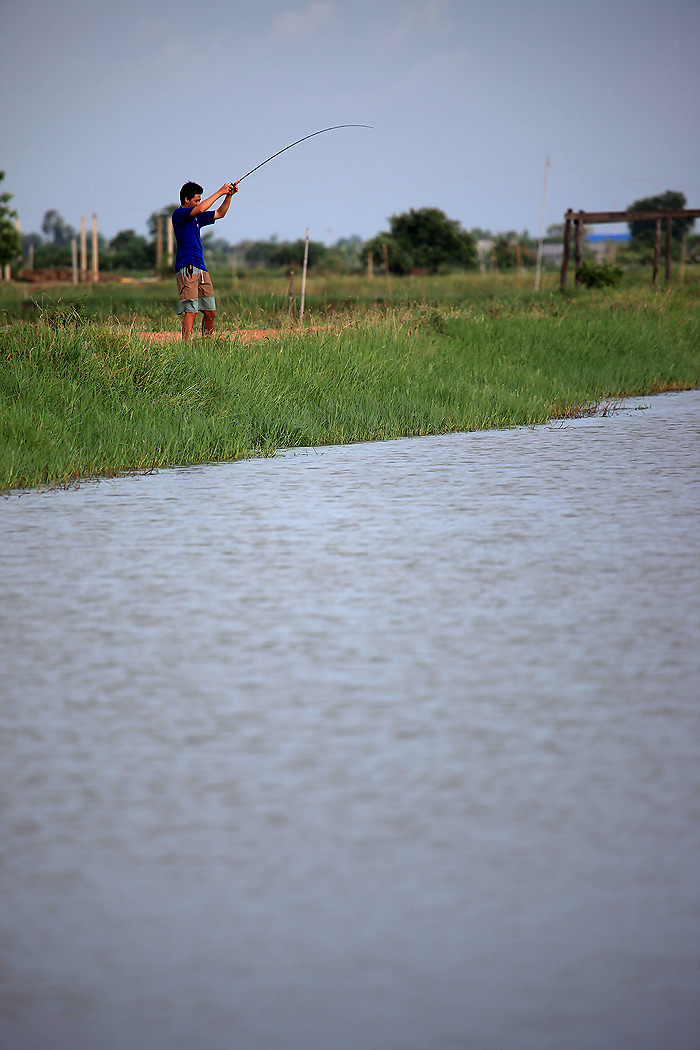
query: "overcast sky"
109, 108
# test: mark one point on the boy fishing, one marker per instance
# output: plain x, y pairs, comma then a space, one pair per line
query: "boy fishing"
194, 288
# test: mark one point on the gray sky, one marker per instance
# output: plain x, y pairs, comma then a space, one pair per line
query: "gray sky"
109, 108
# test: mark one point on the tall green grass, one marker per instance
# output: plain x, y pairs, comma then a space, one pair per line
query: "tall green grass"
79, 399
261, 299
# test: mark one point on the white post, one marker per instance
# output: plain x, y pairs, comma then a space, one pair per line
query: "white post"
170, 244
538, 267
303, 276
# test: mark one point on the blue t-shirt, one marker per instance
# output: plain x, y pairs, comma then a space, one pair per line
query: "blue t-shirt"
189, 242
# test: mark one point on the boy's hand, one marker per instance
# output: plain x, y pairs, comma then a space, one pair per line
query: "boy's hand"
229, 188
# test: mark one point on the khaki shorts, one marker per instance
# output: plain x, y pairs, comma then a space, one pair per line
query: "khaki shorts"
195, 291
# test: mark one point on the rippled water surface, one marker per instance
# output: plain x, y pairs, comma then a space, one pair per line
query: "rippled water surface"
378, 747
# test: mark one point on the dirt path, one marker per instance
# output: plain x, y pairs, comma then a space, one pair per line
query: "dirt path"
243, 335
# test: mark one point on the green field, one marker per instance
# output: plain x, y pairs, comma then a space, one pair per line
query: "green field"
84, 394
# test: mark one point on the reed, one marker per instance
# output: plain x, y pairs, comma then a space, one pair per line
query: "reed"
81, 399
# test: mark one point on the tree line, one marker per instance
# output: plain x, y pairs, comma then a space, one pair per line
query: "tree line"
421, 240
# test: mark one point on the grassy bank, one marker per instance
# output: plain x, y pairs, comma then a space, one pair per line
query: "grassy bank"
83, 399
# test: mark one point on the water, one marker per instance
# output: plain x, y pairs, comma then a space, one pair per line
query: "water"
380, 747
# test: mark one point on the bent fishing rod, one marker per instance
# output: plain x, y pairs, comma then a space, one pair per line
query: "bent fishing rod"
305, 137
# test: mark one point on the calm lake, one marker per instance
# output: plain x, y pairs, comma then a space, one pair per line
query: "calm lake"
388, 746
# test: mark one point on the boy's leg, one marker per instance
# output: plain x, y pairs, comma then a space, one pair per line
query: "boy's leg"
208, 322
187, 325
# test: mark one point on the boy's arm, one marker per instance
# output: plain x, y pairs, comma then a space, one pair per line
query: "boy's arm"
206, 205
223, 207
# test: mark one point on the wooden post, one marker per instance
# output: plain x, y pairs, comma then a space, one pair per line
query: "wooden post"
517, 264
83, 250
668, 250
657, 252
74, 259
30, 259
159, 242
7, 272
303, 276
683, 261
386, 268
234, 269
370, 265
566, 250
170, 244
290, 292
578, 249
95, 251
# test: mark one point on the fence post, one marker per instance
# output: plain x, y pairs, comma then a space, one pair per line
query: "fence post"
74, 259
95, 251
657, 251
578, 254
83, 250
386, 268
683, 261
566, 250
290, 292
159, 242
303, 276
668, 250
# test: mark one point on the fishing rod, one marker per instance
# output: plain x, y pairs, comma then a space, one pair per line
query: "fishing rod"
313, 133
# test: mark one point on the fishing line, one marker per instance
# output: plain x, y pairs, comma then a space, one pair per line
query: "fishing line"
313, 133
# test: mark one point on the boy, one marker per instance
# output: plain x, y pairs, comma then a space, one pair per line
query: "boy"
194, 288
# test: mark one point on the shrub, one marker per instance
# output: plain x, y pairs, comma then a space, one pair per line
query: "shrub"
593, 276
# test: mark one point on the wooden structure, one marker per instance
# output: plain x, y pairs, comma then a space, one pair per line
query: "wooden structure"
580, 218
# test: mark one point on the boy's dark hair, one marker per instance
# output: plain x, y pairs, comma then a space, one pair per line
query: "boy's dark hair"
189, 190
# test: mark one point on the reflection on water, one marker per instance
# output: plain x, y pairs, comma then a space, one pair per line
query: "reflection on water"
380, 747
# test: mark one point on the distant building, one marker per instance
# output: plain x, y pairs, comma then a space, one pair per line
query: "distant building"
605, 245
552, 253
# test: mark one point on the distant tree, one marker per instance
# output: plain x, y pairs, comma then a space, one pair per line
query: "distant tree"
217, 250
350, 252
505, 249
56, 229
10, 239
480, 234
643, 233
291, 253
258, 253
400, 260
555, 233
424, 238
129, 251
